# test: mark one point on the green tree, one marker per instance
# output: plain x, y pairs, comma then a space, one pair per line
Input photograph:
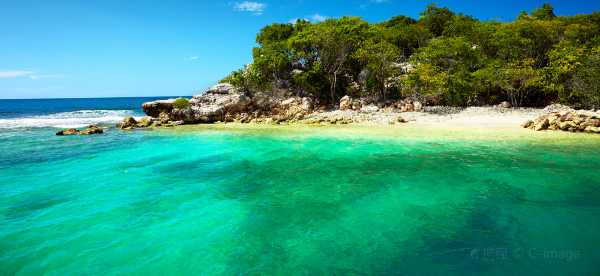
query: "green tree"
436, 19
545, 12
518, 79
380, 58
331, 43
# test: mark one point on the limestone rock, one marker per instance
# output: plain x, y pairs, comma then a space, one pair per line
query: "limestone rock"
345, 103
566, 119
505, 104
418, 106
144, 122
541, 124
527, 124
92, 129
369, 108
155, 108
66, 132
127, 123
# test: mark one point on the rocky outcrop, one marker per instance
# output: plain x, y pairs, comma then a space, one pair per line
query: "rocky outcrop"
155, 108
566, 120
211, 106
131, 123
127, 123
225, 103
67, 132
90, 130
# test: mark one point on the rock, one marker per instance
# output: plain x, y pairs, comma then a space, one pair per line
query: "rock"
591, 129
92, 129
505, 104
369, 109
541, 125
222, 88
290, 102
70, 131
407, 107
127, 123
557, 108
566, 126
573, 121
307, 104
527, 124
356, 105
418, 106
144, 122
164, 118
155, 108
345, 103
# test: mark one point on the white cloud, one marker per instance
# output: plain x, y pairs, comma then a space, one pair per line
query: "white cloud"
193, 58
39, 77
318, 18
11, 74
379, 1
255, 8
14, 74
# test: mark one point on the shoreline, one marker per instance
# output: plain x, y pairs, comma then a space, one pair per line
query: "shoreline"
412, 130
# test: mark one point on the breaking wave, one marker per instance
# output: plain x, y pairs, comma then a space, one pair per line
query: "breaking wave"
74, 119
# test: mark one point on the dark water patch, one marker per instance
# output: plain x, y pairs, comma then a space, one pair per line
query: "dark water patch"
32, 205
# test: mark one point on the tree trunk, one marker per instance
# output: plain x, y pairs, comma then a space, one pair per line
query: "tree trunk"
332, 88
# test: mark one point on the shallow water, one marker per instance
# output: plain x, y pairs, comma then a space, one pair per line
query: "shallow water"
310, 201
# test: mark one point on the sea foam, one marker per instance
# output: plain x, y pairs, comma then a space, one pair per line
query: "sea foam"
74, 119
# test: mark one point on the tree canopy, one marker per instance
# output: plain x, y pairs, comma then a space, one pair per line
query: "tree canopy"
534, 60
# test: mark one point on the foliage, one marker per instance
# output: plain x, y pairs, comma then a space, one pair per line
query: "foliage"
379, 58
534, 60
181, 103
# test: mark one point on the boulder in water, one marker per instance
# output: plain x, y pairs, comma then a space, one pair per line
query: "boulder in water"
66, 132
127, 123
92, 129
144, 122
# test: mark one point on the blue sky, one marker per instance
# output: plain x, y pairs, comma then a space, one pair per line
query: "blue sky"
54, 49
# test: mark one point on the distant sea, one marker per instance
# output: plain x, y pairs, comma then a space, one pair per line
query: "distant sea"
285, 201
63, 113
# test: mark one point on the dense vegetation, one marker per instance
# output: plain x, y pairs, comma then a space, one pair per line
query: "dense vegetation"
181, 103
442, 58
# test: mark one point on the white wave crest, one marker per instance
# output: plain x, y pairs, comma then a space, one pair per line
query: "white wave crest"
73, 119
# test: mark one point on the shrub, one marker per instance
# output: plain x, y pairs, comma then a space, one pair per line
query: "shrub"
181, 103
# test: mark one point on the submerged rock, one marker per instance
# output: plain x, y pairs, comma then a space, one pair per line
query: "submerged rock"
65, 132
92, 129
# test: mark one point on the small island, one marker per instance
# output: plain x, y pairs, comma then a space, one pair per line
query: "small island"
348, 70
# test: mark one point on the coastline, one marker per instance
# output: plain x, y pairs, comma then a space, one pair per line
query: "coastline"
469, 124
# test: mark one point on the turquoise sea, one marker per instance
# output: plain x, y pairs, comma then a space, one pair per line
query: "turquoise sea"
285, 201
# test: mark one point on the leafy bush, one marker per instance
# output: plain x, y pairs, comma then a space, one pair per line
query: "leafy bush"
181, 103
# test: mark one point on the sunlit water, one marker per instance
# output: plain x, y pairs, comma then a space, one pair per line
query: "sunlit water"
270, 202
